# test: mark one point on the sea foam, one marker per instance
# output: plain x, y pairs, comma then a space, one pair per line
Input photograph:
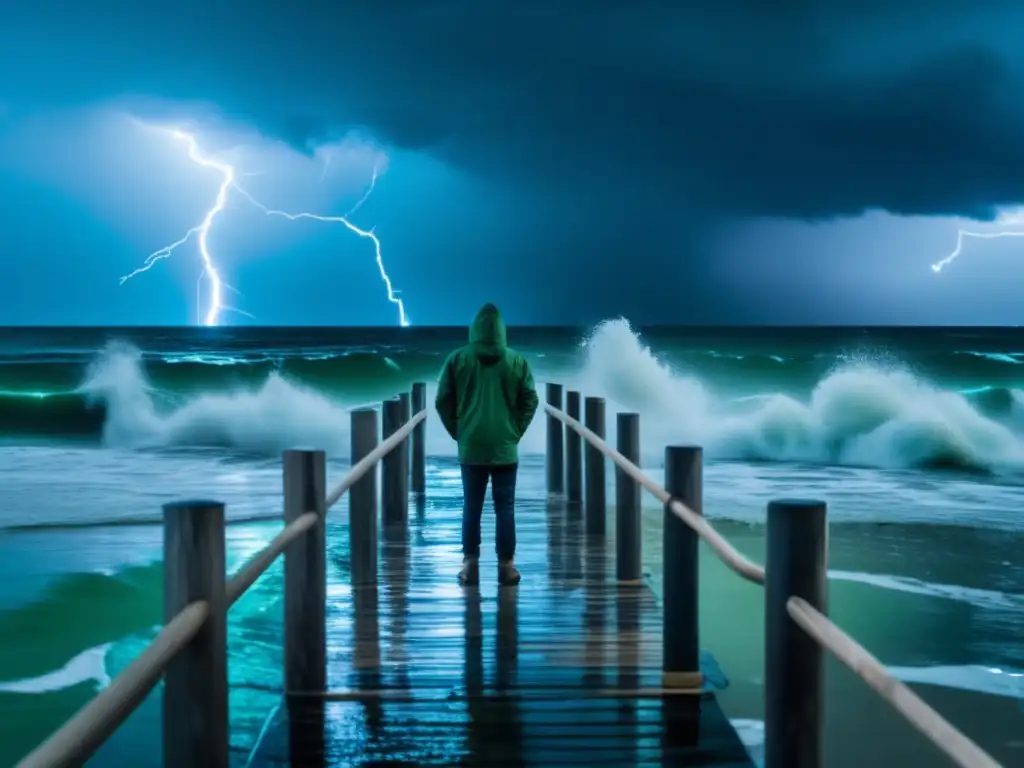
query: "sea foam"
89, 665
858, 414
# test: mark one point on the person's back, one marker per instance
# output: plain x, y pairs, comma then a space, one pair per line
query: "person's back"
486, 400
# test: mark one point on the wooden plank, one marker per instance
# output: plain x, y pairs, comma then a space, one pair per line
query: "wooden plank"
680, 731
563, 669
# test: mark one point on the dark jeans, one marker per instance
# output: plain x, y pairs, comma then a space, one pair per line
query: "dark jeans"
503, 492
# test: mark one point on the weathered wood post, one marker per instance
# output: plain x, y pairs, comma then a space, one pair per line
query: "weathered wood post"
573, 452
391, 465
680, 566
796, 566
305, 574
555, 469
195, 698
362, 501
595, 508
419, 439
404, 450
627, 502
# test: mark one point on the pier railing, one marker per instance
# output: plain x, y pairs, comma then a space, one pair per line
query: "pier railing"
797, 628
190, 653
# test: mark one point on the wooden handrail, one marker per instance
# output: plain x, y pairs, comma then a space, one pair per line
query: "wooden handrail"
256, 565
728, 554
75, 741
941, 732
365, 464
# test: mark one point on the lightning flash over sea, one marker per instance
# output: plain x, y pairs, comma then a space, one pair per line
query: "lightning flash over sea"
202, 231
962, 235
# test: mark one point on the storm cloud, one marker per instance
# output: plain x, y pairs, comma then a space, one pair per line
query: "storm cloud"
794, 108
672, 161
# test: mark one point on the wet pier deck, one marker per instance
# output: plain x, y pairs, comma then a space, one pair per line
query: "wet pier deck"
562, 669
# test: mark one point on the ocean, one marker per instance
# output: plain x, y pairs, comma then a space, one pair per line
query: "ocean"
914, 437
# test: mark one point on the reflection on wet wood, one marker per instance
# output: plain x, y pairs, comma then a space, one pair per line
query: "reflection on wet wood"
501, 731
563, 669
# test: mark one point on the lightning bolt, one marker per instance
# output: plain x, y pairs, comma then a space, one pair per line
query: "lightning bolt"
963, 235
202, 231
344, 220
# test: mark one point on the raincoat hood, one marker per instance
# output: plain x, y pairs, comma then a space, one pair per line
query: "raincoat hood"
486, 397
487, 333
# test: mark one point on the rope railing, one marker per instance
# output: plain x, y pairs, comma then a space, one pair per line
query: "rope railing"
365, 464
728, 554
78, 739
944, 735
960, 749
257, 565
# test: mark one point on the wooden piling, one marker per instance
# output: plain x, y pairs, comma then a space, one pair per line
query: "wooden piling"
796, 566
305, 574
596, 504
404, 450
391, 465
555, 469
628, 567
573, 452
195, 694
419, 440
362, 501
680, 589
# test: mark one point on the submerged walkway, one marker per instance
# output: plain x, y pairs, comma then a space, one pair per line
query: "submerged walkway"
563, 669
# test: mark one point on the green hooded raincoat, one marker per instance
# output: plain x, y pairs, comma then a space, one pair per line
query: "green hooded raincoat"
485, 396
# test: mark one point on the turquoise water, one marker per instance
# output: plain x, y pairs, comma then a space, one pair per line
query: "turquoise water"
913, 437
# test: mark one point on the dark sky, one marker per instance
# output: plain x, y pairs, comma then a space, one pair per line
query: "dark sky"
727, 161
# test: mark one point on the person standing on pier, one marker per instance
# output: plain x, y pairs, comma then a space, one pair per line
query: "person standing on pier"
486, 399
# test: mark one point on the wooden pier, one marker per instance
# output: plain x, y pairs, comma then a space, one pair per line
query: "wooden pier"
563, 669
578, 664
